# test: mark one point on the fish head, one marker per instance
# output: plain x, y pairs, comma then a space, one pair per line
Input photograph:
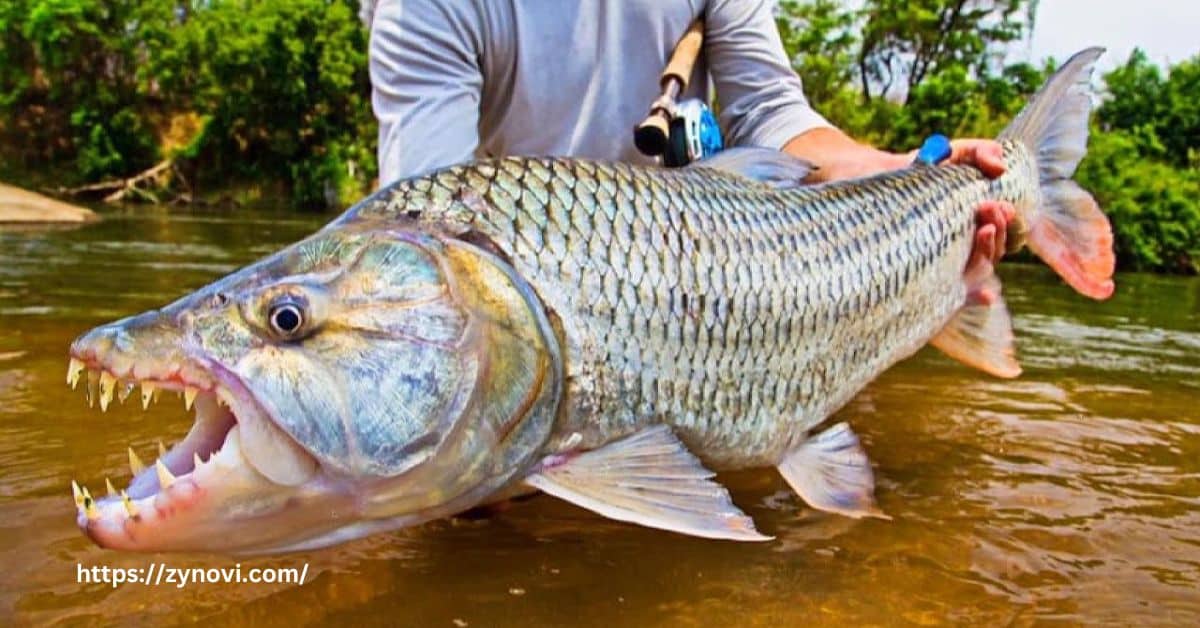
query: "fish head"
363, 379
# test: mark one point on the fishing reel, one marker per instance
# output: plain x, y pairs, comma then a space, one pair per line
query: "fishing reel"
679, 132
694, 134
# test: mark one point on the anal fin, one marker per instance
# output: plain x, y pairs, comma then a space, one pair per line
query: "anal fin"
651, 479
980, 334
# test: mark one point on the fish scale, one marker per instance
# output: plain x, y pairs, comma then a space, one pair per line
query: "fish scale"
795, 299
605, 333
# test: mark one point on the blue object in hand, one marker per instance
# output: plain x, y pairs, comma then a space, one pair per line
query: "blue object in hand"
934, 150
710, 133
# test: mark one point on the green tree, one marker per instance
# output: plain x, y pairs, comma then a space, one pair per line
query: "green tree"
70, 84
819, 39
1163, 112
948, 102
285, 88
280, 88
1154, 207
906, 41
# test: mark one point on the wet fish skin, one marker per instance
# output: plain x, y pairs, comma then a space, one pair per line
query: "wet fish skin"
605, 333
740, 314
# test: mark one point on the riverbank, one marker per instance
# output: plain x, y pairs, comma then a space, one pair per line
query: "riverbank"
22, 206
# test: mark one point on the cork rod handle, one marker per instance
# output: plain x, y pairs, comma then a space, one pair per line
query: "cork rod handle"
685, 55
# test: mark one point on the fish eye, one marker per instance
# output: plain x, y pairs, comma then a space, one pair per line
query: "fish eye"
287, 318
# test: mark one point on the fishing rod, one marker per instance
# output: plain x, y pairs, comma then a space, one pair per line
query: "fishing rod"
683, 132
679, 132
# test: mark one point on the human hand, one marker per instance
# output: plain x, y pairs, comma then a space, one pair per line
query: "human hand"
840, 157
991, 217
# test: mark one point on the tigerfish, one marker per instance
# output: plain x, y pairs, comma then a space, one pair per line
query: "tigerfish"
606, 333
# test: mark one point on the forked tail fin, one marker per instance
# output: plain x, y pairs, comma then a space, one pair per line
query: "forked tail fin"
1068, 230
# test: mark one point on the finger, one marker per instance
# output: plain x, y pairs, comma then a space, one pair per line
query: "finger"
1009, 210
987, 237
987, 214
982, 296
963, 151
999, 214
1001, 244
984, 247
987, 155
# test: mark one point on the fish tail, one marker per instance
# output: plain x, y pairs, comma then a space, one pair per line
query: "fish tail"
1067, 229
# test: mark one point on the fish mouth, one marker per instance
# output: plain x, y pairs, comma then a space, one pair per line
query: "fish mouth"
207, 492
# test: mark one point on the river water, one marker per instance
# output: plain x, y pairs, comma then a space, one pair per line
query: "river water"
1069, 495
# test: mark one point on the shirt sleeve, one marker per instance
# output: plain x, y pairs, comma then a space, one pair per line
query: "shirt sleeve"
426, 84
762, 100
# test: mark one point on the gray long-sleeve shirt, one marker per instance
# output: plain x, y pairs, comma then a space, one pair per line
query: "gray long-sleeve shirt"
460, 79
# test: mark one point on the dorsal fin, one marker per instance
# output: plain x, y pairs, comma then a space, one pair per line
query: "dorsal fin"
772, 167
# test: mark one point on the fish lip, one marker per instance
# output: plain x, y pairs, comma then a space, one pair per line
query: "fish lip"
173, 378
111, 524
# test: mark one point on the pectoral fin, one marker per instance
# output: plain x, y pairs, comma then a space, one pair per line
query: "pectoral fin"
651, 479
831, 472
980, 334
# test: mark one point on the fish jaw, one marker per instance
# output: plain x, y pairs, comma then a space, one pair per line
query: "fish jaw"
257, 474
206, 492
220, 503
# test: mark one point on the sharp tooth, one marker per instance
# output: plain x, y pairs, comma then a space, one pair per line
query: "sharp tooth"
89, 505
123, 392
148, 394
162, 449
130, 509
78, 494
135, 464
108, 485
93, 377
189, 396
196, 462
164, 476
107, 383
74, 370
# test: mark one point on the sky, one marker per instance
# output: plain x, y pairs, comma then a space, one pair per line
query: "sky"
1168, 30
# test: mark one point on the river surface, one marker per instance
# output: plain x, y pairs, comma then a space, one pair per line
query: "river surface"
1070, 495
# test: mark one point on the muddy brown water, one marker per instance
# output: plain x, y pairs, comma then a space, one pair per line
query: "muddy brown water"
1069, 495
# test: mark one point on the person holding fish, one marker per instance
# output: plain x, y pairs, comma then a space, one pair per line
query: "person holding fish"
456, 80
609, 333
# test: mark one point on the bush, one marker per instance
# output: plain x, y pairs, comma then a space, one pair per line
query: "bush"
1154, 207
281, 86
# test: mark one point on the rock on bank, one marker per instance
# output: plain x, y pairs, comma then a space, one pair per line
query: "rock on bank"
23, 206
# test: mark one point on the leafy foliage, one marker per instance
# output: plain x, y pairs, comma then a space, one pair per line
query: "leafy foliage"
1154, 206
280, 85
258, 91
1164, 112
906, 41
941, 57
69, 81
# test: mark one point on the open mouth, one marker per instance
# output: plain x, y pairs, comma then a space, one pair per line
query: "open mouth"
179, 472
234, 464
